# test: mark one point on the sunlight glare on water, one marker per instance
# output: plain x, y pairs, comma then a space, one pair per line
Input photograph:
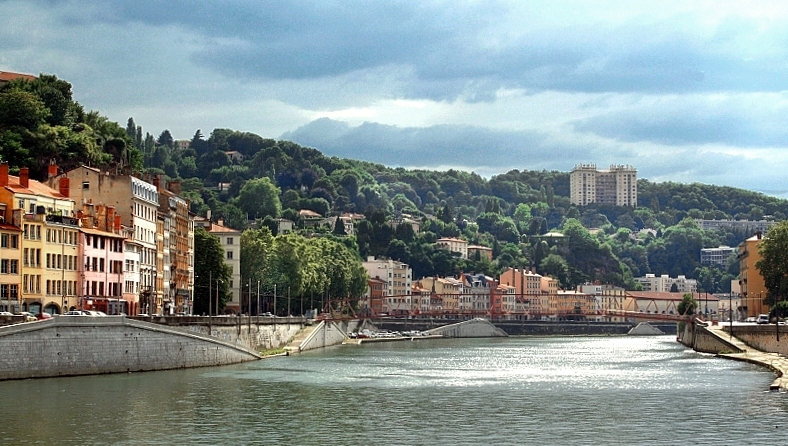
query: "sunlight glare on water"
519, 390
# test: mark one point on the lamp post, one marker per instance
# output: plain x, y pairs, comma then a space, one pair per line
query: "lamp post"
730, 310
217, 295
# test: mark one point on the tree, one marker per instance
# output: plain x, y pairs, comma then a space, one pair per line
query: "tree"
210, 272
166, 139
259, 197
339, 227
256, 261
773, 264
687, 305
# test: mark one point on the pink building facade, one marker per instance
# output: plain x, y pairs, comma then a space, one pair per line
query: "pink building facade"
102, 253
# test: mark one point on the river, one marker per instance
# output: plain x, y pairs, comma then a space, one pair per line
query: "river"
519, 390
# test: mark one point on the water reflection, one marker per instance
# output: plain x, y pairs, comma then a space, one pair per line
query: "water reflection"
610, 390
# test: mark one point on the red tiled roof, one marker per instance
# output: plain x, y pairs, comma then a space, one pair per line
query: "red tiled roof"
7, 76
100, 232
9, 227
33, 187
217, 228
659, 295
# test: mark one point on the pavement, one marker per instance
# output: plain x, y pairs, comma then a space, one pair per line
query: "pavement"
774, 361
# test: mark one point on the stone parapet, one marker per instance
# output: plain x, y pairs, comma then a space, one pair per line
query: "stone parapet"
85, 345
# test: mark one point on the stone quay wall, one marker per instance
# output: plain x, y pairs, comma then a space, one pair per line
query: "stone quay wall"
762, 337
533, 328
85, 345
696, 336
256, 333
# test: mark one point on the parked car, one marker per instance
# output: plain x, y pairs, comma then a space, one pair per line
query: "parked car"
763, 318
29, 317
74, 313
43, 315
6, 313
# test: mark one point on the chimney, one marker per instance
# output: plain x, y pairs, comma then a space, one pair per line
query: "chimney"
117, 222
758, 234
65, 189
4, 175
51, 170
24, 177
174, 187
101, 217
110, 218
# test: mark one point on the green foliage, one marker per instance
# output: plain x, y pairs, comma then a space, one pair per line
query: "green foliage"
212, 274
688, 304
259, 197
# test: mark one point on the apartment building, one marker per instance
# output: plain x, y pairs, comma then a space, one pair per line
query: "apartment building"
715, 256
454, 245
617, 186
103, 254
753, 287
230, 239
47, 241
10, 260
136, 202
398, 275
664, 283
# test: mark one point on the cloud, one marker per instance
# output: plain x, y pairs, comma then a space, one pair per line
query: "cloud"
741, 120
464, 50
685, 91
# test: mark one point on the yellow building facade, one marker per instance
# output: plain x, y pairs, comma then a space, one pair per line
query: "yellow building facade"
753, 288
48, 242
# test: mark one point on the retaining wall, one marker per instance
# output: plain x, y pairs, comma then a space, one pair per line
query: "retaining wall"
536, 328
84, 345
256, 333
326, 334
699, 338
475, 328
762, 337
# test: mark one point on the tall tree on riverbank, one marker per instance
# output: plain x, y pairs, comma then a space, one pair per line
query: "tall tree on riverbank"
211, 274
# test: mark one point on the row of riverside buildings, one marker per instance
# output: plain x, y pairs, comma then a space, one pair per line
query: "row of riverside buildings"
517, 294
92, 240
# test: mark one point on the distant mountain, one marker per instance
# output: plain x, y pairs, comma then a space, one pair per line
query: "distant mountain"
484, 150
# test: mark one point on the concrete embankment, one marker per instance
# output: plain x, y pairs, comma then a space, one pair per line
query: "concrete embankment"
256, 333
530, 327
718, 340
84, 345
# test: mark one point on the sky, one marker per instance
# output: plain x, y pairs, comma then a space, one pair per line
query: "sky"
687, 91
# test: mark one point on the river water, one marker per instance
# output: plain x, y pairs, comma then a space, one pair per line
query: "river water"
520, 390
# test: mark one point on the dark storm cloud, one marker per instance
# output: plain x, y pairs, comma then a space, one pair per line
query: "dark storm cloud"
462, 49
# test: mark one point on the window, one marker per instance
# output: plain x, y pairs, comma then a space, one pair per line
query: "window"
85, 185
229, 240
229, 255
4, 241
